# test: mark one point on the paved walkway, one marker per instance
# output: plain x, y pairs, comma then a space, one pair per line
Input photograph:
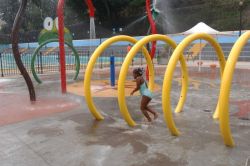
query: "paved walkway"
58, 130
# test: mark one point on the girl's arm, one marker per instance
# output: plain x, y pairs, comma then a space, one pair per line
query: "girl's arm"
138, 84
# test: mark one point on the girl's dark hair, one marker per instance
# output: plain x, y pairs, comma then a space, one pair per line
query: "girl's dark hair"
138, 71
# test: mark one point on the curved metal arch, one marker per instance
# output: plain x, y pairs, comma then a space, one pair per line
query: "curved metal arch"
89, 69
226, 86
166, 103
50, 41
124, 71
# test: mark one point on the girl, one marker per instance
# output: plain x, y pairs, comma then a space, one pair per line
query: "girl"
145, 93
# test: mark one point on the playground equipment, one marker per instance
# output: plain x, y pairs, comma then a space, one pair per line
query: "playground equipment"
112, 70
166, 102
226, 86
195, 51
151, 18
92, 34
90, 66
124, 70
125, 66
60, 13
48, 35
14, 40
226, 70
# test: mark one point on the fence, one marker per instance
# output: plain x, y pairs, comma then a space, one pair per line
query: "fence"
49, 62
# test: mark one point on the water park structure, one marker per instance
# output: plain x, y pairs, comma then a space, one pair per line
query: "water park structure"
67, 122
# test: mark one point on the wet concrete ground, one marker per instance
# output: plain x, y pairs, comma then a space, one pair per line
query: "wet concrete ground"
72, 137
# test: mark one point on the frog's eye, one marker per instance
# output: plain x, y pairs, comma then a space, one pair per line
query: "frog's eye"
48, 23
56, 22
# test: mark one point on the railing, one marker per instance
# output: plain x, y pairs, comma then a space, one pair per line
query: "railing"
49, 63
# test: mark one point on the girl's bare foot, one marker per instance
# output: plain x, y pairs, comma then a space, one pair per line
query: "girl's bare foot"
145, 120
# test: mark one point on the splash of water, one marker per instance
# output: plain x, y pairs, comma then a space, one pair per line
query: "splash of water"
155, 6
165, 19
135, 22
163, 22
92, 34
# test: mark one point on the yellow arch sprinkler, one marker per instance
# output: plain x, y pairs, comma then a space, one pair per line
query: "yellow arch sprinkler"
90, 67
226, 86
124, 72
226, 70
166, 89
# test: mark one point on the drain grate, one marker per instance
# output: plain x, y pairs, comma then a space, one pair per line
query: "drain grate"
207, 110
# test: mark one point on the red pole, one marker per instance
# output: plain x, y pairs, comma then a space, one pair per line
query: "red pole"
60, 13
153, 31
91, 8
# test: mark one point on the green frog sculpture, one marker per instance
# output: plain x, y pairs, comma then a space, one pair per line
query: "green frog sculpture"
48, 35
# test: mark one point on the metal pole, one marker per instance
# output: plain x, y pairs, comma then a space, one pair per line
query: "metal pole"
101, 61
153, 31
60, 13
41, 62
112, 70
199, 63
240, 21
240, 10
1, 65
88, 57
38, 64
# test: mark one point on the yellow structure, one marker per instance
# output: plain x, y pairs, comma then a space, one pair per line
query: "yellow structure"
226, 70
195, 50
89, 70
124, 72
226, 86
166, 99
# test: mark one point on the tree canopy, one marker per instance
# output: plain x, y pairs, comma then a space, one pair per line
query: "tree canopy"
175, 16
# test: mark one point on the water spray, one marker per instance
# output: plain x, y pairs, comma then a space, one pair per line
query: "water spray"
91, 8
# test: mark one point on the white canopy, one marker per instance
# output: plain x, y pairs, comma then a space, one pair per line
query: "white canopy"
204, 28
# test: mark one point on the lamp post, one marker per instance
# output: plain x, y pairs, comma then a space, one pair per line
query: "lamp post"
240, 10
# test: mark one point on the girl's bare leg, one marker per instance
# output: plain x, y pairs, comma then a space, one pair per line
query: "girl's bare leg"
153, 112
144, 102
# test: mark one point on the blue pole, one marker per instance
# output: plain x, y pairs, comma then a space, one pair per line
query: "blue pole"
112, 70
